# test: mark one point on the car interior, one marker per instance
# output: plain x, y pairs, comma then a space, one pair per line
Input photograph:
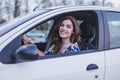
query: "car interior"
87, 22
87, 34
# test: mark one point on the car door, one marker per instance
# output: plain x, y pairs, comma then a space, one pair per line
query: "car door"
112, 53
83, 65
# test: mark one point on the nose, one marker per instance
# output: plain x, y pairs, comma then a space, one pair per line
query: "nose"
64, 27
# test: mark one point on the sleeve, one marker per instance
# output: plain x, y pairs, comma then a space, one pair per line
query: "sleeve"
73, 48
49, 51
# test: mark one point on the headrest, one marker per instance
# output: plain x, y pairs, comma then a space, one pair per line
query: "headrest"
26, 52
86, 30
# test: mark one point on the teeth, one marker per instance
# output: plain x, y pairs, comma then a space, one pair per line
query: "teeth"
63, 32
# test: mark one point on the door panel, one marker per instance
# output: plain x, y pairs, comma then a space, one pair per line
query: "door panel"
113, 54
112, 65
62, 68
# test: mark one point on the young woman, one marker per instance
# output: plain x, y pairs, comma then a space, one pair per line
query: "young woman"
65, 37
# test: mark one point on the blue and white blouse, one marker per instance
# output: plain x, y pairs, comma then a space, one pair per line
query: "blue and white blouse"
72, 48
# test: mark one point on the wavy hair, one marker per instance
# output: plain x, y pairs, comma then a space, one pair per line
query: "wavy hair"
57, 40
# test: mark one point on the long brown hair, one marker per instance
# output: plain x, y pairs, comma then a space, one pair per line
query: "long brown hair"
57, 40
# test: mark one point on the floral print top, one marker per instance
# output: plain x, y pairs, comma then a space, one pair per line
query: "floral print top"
71, 48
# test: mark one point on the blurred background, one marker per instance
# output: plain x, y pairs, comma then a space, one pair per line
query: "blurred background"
9, 9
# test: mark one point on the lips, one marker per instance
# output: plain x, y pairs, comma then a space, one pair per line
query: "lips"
63, 32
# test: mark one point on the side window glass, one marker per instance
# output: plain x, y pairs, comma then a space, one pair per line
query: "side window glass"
40, 33
114, 28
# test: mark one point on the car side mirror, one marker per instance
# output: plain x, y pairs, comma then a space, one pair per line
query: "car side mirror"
28, 52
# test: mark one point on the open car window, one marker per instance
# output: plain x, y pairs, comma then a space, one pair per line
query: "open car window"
40, 32
41, 35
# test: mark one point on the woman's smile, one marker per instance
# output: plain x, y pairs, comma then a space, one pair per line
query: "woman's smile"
66, 29
63, 32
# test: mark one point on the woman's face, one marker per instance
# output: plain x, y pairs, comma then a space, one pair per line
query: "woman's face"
66, 29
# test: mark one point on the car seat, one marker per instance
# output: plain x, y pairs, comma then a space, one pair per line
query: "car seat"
86, 34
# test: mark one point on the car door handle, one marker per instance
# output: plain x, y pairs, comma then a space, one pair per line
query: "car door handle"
91, 67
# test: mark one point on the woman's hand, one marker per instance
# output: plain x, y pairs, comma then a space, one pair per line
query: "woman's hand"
27, 40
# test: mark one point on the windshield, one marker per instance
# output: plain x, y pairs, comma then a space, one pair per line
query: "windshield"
7, 26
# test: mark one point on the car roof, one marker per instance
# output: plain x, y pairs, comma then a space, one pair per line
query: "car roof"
85, 8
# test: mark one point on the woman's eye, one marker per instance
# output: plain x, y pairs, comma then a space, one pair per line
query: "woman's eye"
68, 26
62, 25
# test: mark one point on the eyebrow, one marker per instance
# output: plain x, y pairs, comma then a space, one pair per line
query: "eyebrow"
67, 24
70, 24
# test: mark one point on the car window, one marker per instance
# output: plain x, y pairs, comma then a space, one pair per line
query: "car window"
114, 28
40, 32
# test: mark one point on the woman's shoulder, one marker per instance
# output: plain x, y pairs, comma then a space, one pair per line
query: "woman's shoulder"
75, 45
49, 51
73, 48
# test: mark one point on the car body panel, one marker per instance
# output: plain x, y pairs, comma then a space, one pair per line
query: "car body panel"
112, 66
112, 55
70, 67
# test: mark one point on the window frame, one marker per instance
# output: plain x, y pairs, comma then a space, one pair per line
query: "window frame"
99, 35
107, 34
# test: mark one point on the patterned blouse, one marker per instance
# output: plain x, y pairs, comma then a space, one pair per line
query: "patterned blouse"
71, 48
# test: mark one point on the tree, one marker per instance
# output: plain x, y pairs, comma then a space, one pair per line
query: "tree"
17, 8
103, 2
26, 3
96, 2
78, 2
8, 9
0, 10
46, 3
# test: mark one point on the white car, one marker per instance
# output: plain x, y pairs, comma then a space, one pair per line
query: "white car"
99, 62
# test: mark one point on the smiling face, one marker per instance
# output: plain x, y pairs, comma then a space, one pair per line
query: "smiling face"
66, 29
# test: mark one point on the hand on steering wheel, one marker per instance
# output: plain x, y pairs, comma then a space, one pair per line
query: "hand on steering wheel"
27, 40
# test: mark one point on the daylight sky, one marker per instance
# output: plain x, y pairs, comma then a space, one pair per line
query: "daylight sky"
115, 2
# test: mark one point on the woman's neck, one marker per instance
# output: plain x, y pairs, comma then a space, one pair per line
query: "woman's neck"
66, 42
